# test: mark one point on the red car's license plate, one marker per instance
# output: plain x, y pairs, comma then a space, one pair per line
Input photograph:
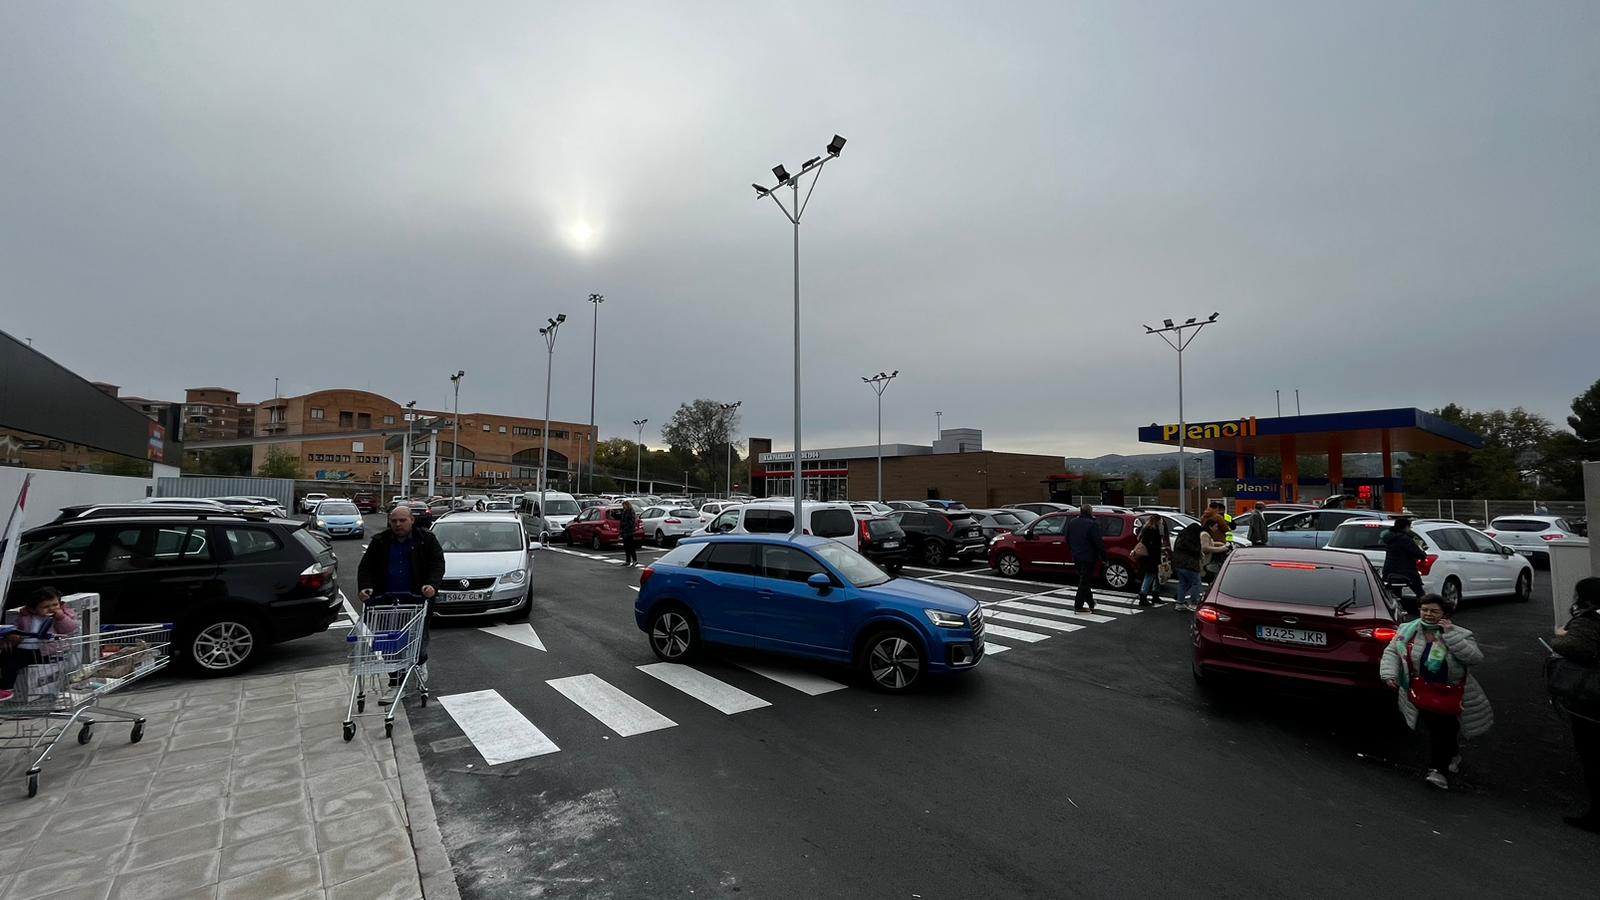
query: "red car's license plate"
1292, 636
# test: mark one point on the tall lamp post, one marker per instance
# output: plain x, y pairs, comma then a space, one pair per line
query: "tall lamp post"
638, 455
1178, 337
938, 424
549, 334
455, 441
793, 212
405, 457
729, 408
879, 384
594, 356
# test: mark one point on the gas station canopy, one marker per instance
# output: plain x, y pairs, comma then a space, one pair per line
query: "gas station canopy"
1370, 431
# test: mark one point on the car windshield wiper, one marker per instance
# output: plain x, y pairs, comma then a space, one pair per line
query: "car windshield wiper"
1343, 609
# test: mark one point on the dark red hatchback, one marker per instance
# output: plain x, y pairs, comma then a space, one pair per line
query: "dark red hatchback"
1313, 615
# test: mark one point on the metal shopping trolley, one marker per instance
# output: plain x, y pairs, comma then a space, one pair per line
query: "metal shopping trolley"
385, 650
63, 687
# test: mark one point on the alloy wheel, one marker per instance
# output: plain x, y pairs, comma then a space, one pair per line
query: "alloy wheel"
894, 663
933, 553
223, 645
1117, 576
1010, 565
1525, 586
1452, 592
671, 635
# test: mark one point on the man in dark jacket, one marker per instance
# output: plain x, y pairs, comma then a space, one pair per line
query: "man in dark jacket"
1579, 642
1088, 552
402, 560
1188, 560
1401, 553
1258, 526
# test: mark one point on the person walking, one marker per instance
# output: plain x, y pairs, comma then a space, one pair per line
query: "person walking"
1257, 528
1214, 544
1578, 642
626, 521
1401, 553
1148, 552
1428, 665
1088, 552
1188, 560
402, 559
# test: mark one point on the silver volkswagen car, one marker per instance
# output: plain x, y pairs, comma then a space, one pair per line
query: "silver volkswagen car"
488, 565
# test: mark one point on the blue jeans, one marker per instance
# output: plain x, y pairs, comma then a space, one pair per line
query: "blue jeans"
1150, 586
1189, 583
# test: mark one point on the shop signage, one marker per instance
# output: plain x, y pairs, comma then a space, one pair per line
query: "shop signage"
1201, 430
1256, 489
786, 455
158, 443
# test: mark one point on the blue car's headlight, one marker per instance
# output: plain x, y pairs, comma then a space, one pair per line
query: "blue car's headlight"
945, 619
516, 576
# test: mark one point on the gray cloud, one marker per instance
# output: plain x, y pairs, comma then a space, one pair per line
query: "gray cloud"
1389, 204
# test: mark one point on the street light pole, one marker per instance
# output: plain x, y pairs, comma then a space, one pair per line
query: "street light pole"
594, 356
729, 408
549, 334
880, 383
405, 458
455, 442
793, 213
938, 424
1183, 339
638, 455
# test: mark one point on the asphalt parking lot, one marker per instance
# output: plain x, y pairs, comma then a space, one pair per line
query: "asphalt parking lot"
1082, 760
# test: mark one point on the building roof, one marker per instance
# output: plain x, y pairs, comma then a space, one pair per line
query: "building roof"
1410, 430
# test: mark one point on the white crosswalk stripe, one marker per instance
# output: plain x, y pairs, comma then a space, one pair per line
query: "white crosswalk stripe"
990, 647
1062, 600
612, 707
719, 695
1035, 621
1053, 611
1014, 634
804, 682
496, 729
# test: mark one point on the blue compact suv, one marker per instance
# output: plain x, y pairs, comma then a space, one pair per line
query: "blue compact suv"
810, 597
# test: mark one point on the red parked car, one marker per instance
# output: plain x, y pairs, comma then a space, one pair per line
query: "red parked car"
1313, 615
366, 503
1042, 547
598, 526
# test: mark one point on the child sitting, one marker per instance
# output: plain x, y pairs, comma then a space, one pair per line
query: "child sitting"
41, 619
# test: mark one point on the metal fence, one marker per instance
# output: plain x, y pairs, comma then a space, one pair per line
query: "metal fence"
280, 489
1482, 512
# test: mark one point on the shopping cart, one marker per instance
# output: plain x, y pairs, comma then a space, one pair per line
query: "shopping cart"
64, 687
384, 652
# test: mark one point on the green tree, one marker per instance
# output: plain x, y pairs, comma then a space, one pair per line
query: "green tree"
1167, 479
701, 427
1514, 441
1585, 418
223, 461
1563, 454
280, 463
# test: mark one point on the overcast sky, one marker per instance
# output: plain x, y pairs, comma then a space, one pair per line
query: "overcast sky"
1389, 204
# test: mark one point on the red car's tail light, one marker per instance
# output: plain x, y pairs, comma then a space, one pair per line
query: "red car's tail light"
1424, 566
1212, 614
644, 575
1308, 566
1378, 634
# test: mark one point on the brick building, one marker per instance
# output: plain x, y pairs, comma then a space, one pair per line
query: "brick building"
210, 413
366, 429
956, 467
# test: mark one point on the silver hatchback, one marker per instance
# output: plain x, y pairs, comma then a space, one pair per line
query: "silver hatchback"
488, 565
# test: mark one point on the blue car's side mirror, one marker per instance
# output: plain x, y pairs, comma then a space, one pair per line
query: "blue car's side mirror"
820, 582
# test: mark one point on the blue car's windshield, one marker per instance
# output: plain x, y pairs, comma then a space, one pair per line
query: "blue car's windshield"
856, 569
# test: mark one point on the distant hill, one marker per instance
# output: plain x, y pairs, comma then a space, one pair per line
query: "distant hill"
1363, 465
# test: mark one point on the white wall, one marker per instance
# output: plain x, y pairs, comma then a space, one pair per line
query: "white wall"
53, 490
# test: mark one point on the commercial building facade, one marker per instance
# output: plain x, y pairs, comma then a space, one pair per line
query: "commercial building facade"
956, 467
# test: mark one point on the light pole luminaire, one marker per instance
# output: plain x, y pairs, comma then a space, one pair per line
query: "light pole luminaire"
405, 456
1183, 338
728, 408
938, 424
594, 356
638, 455
880, 383
455, 442
793, 212
549, 334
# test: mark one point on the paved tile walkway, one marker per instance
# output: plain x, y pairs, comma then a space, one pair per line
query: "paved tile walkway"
242, 789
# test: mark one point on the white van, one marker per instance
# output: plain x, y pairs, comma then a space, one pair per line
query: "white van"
829, 520
560, 509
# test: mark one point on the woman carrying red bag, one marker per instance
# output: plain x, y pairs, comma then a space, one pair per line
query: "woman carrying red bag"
1427, 664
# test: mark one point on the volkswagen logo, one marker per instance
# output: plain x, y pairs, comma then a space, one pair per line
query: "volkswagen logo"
465, 582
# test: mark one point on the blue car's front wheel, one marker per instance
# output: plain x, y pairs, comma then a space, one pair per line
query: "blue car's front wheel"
893, 661
673, 635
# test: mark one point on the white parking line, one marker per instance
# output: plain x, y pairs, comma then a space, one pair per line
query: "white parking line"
615, 709
496, 729
719, 695
804, 682
519, 633
1012, 633
1035, 621
1053, 611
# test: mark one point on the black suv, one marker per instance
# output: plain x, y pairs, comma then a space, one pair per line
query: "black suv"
882, 541
228, 584
936, 535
